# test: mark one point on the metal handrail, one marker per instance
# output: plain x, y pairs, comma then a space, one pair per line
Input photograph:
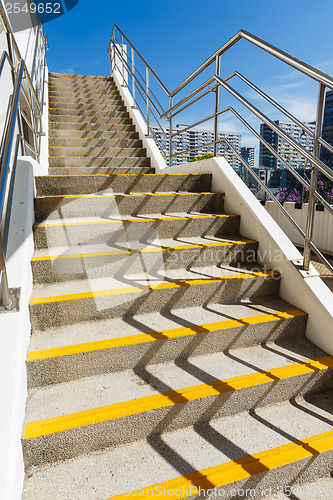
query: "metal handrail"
315, 164
301, 66
140, 57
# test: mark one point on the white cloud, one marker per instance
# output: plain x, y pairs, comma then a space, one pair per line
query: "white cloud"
70, 69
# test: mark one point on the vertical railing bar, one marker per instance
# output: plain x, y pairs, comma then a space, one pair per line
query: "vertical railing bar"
122, 58
217, 95
170, 132
35, 52
5, 300
10, 197
147, 98
133, 76
314, 180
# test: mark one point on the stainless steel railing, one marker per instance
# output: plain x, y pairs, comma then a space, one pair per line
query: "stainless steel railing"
28, 92
150, 107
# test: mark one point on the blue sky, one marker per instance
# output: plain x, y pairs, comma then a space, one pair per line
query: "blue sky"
176, 36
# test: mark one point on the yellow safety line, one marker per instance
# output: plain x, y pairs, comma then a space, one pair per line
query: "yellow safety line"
171, 333
90, 147
122, 194
92, 130
171, 398
90, 123
90, 175
82, 109
104, 157
220, 475
142, 288
89, 139
115, 175
109, 167
122, 221
103, 99
142, 250
125, 114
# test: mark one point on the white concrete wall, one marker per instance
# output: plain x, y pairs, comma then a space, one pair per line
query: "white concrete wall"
15, 326
15, 334
323, 224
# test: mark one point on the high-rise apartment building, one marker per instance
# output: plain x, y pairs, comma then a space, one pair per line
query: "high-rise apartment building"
327, 133
249, 155
295, 159
196, 140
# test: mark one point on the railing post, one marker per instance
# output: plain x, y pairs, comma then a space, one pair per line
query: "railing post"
111, 52
147, 94
122, 58
314, 179
133, 76
217, 95
5, 300
170, 132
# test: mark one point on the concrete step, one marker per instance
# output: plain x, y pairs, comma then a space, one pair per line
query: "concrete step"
89, 414
83, 92
108, 205
91, 120
98, 260
74, 86
89, 142
102, 108
104, 161
100, 170
91, 135
95, 151
110, 297
117, 230
50, 185
71, 77
76, 77
79, 102
61, 86
62, 354
247, 455
80, 79
89, 128
118, 110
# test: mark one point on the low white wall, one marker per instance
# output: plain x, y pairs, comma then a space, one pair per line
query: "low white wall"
275, 251
15, 334
323, 226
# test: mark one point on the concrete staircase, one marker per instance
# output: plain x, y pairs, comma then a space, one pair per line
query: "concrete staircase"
161, 355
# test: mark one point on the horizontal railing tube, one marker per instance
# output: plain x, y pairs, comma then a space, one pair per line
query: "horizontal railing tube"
304, 152
9, 134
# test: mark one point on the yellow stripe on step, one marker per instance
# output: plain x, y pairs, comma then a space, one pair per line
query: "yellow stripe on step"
123, 221
88, 130
234, 470
96, 147
113, 175
171, 333
98, 157
120, 195
170, 398
143, 288
89, 123
141, 250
